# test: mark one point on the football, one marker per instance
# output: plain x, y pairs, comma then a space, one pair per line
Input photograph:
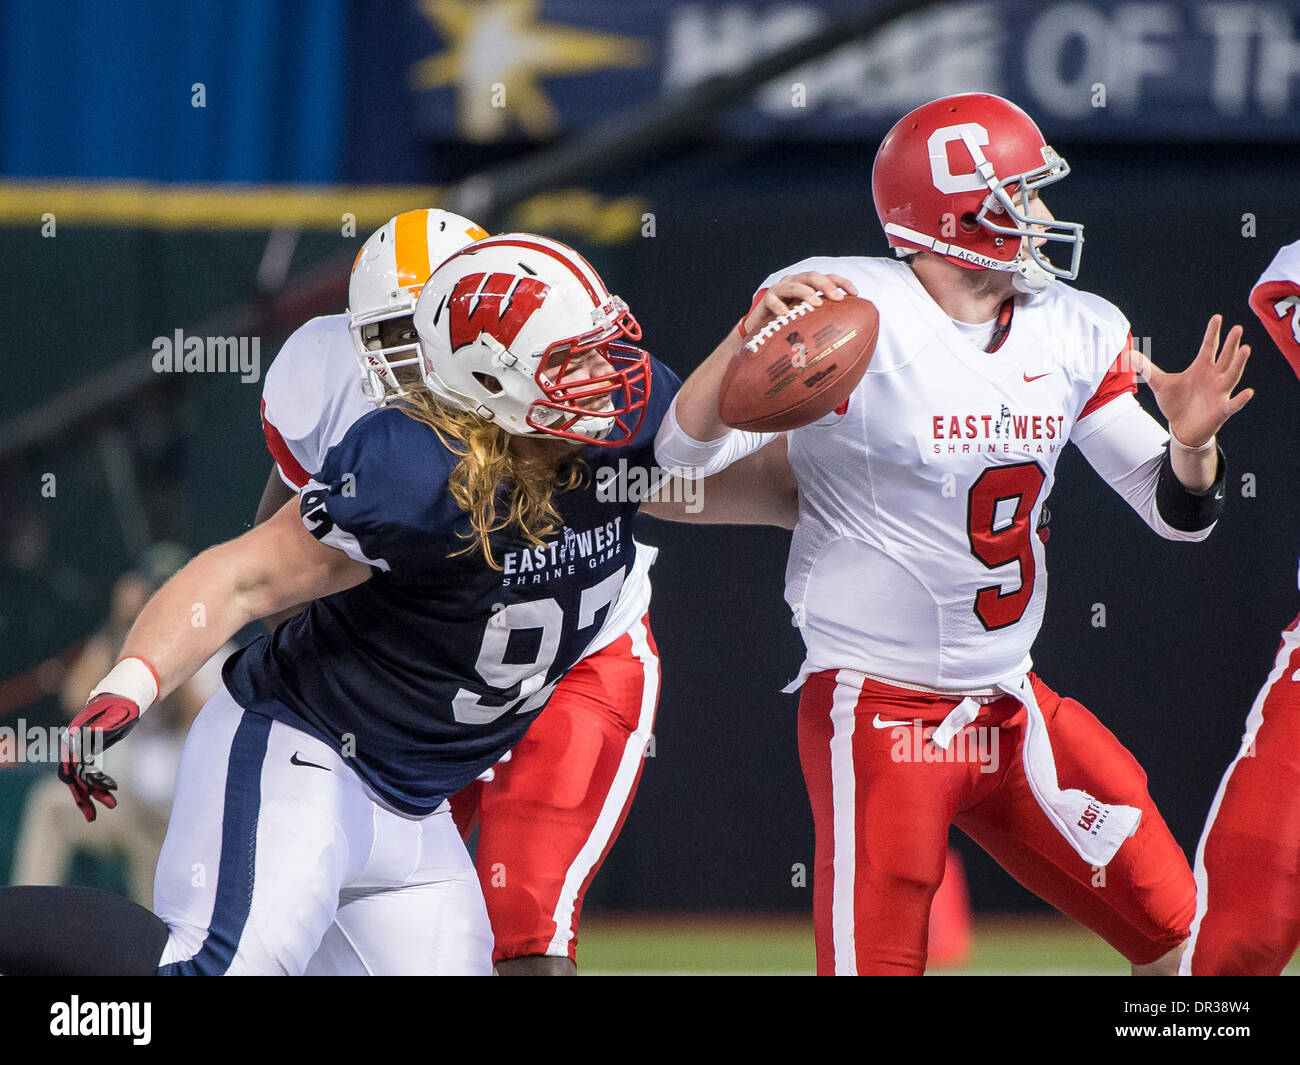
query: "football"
800, 366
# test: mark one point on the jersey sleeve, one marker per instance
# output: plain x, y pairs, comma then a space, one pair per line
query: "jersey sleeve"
288, 464
291, 407
1119, 380
379, 496
1128, 449
692, 459
1277, 305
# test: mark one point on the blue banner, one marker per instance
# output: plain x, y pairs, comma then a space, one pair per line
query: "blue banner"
493, 71
330, 90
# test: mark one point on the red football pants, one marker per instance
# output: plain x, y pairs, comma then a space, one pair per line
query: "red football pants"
1248, 861
883, 797
550, 813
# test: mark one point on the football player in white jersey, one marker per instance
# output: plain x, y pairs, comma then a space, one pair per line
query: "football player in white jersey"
915, 573
548, 814
1248, 860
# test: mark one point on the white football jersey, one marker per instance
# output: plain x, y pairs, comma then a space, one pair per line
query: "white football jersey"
1275, 299
1284, 271
311, 397
916, 557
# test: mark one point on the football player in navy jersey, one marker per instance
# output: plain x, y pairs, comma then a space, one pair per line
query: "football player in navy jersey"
454, 574
548, 813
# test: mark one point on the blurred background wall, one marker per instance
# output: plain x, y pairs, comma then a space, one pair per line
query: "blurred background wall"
214, 168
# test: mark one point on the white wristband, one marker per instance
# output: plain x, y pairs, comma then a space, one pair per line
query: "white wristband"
133, 678
1207, 446
690, 459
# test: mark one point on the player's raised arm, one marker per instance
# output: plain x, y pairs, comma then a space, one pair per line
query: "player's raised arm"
760, 489
1198, 401
1173, 479
696, 407
275, 565
693, 438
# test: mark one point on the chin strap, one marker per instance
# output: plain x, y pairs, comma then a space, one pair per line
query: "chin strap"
1030, 278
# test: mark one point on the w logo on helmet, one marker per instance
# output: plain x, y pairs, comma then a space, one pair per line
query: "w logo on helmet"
499, 306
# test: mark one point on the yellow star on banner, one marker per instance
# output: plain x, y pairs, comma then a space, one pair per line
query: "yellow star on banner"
497, 55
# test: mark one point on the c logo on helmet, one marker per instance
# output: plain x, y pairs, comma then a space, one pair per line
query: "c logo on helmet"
974, 136
499, 306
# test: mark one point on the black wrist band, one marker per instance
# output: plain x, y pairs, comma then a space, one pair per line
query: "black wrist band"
1183, 509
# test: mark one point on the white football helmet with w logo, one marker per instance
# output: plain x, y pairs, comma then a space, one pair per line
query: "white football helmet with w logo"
521, 330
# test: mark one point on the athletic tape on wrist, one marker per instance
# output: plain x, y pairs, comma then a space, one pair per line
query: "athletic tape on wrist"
1207, 446
133, 678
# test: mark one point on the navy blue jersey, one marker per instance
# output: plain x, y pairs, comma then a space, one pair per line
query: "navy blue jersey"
428, 672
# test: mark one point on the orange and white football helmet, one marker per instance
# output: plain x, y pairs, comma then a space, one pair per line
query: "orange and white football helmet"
387, 275
945, 179
521, 330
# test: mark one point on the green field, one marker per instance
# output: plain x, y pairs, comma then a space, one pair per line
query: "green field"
613, 945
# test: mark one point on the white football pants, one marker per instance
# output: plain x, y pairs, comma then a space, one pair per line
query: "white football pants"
280, 860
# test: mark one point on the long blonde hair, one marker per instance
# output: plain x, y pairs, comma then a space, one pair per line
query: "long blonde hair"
487, 464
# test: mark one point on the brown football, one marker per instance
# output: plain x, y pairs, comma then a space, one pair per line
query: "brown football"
800, 366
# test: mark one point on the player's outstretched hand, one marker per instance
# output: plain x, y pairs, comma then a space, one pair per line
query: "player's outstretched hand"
792, 290
100, 724
1198, 401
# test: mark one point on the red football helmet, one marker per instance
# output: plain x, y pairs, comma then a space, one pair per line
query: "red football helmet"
944, 179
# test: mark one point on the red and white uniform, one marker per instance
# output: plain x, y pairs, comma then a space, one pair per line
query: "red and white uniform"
918, 584
311, 397
1248, 858
1276, 299
548, 813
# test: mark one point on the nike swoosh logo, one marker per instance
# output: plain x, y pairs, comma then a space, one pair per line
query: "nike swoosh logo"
1218, 494
877, 723
295, 760
1036, 376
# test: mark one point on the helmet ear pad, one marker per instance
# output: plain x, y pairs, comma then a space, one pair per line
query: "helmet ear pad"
495, 384
492, 384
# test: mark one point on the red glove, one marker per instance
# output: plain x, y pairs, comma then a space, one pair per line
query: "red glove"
100, 724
